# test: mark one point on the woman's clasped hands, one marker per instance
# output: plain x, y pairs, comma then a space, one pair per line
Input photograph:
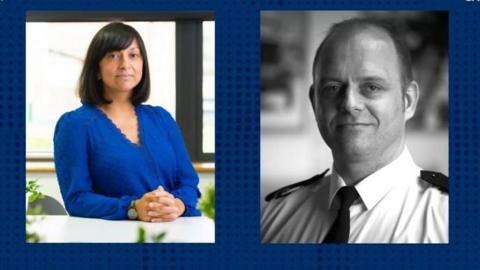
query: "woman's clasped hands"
159, 206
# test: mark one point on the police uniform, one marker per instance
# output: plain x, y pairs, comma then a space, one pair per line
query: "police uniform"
399, 203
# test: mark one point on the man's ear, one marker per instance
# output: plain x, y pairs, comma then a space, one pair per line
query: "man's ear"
312, 100
410, 99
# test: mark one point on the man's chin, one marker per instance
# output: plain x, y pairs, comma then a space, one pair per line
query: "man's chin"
352, 151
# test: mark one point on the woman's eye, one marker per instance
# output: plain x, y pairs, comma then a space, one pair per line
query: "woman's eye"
113, 55
134, 55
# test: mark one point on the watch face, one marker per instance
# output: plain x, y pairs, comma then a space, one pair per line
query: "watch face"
132, 214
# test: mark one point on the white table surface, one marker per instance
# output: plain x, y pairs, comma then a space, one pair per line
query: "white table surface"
67, 229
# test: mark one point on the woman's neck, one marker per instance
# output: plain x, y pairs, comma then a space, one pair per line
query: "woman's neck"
118, 108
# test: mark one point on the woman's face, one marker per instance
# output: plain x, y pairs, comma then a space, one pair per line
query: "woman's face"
121, 71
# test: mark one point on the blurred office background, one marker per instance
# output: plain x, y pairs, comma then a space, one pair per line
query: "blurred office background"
56, 45
291, 146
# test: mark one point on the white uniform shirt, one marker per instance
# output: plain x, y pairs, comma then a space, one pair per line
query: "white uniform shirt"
395, 206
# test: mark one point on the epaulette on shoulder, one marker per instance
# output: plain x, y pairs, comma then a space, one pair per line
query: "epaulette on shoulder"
284, 191
436, 179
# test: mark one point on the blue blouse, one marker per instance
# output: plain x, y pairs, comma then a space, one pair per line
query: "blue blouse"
100, 171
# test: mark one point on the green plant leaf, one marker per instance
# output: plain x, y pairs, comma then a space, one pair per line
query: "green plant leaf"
207, 203
141, 235
31, 237
32, 189
157, 238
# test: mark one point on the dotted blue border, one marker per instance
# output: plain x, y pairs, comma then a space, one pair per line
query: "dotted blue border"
238, 151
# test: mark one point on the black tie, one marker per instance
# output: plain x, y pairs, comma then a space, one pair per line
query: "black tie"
340, 229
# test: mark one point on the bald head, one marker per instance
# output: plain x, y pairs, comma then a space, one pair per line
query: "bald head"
384, 34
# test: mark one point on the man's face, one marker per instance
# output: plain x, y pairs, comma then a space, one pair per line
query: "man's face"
357, 96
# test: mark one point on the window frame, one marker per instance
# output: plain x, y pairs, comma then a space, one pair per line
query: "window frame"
189, 66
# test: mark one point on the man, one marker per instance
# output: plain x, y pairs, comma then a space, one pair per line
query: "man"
362, 95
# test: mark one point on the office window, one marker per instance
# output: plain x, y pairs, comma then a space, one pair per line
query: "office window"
208, 94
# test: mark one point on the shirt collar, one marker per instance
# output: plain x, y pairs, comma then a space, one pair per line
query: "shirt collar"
375, 186
336, 183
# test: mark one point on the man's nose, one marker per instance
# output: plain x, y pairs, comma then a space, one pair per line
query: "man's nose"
351, 101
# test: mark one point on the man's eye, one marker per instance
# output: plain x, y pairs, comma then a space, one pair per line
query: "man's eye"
331, 89
372, 88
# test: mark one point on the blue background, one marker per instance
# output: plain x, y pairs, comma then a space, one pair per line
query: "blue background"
238, 152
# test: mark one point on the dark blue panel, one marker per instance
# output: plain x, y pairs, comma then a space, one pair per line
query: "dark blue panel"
238, 151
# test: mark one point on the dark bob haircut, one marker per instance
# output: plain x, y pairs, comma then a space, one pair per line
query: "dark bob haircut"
112, 37
403, 52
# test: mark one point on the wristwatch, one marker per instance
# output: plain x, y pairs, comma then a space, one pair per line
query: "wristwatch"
132, 212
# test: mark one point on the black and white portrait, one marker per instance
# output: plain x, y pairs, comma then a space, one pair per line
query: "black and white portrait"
354, 127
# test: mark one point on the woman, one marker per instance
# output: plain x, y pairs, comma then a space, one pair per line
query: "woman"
116, 158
